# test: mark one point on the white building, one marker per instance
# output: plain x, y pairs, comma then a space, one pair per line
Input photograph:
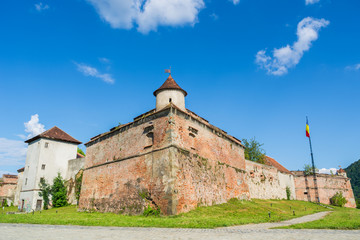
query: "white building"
47, 155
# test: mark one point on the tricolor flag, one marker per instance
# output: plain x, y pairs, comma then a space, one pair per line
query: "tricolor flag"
307, 128
167, 71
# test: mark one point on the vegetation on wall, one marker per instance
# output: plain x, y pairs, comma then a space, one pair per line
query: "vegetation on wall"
78, 181
45, 192
308, 170
253, 150
288, 193
353, 172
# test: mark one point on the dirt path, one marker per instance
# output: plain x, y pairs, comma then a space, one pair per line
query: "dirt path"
307, 218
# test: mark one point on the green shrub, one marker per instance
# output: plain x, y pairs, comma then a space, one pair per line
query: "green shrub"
149, 211
338, 200
59, 192
288, 193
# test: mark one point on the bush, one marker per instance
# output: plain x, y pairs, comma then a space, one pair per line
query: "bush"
358, 203
288, 193
338, 200
59, 192
149, 211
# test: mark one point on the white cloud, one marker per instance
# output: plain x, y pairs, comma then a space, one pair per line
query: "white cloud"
214, 16
148, 14
41, 7
104, 60
328, 170
236, 2
33, 127
308, 2
12, 152
289, 56
353, 67
93, 72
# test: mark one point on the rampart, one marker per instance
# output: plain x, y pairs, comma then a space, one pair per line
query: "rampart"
170, 159
328, 186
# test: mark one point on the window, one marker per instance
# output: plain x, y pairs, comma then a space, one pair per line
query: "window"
25, 181
42, 179
170, 100
46, 145
43, 167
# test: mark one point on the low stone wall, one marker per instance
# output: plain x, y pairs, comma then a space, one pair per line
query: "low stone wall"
75, 167
328, 186
266, 182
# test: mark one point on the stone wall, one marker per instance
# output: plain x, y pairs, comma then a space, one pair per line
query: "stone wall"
8, 188
171, 159
328, 186
75, 168
266, 182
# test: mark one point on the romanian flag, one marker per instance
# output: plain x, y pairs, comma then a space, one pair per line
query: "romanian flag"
307, 129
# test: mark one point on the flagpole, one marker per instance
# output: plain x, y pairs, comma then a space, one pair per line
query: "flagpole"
313, 169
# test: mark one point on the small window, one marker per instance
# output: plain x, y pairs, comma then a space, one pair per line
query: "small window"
42, 179
305, 193
43, 167
170, 100
25, 181
46, 145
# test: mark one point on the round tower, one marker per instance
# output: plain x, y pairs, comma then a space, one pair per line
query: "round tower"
170, 93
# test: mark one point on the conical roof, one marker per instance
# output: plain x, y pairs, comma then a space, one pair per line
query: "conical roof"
55, 133
169, 84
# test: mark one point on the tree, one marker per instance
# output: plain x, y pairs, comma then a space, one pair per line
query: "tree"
59, 192
353, 172
253, 150
45, 191
80, 151
308, 170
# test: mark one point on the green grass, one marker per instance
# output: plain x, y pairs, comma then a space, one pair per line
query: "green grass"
235, 212
340, 218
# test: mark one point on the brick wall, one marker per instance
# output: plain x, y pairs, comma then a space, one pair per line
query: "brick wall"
169, 159
328, 186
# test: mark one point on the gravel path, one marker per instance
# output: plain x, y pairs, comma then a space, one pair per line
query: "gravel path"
53, 232
307, 218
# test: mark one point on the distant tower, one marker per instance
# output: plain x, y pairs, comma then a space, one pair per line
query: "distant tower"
47, 155
170, 92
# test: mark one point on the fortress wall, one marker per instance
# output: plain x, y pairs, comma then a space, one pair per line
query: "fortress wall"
201, 138
328, 186
176, 173
266, 182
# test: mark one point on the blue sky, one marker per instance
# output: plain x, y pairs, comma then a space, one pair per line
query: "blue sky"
255, 68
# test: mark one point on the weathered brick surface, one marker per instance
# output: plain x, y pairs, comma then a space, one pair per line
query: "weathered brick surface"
8, 188
176, 161
178, 172
328, 185
266, 182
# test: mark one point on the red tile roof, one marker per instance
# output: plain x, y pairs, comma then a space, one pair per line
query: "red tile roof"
169, 84
272, 162
21, 170
79, 155
55, 133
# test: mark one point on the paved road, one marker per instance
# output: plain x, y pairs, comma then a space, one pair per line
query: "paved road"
51, 232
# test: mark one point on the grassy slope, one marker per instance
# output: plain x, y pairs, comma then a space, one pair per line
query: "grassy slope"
233, 213
341, 218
